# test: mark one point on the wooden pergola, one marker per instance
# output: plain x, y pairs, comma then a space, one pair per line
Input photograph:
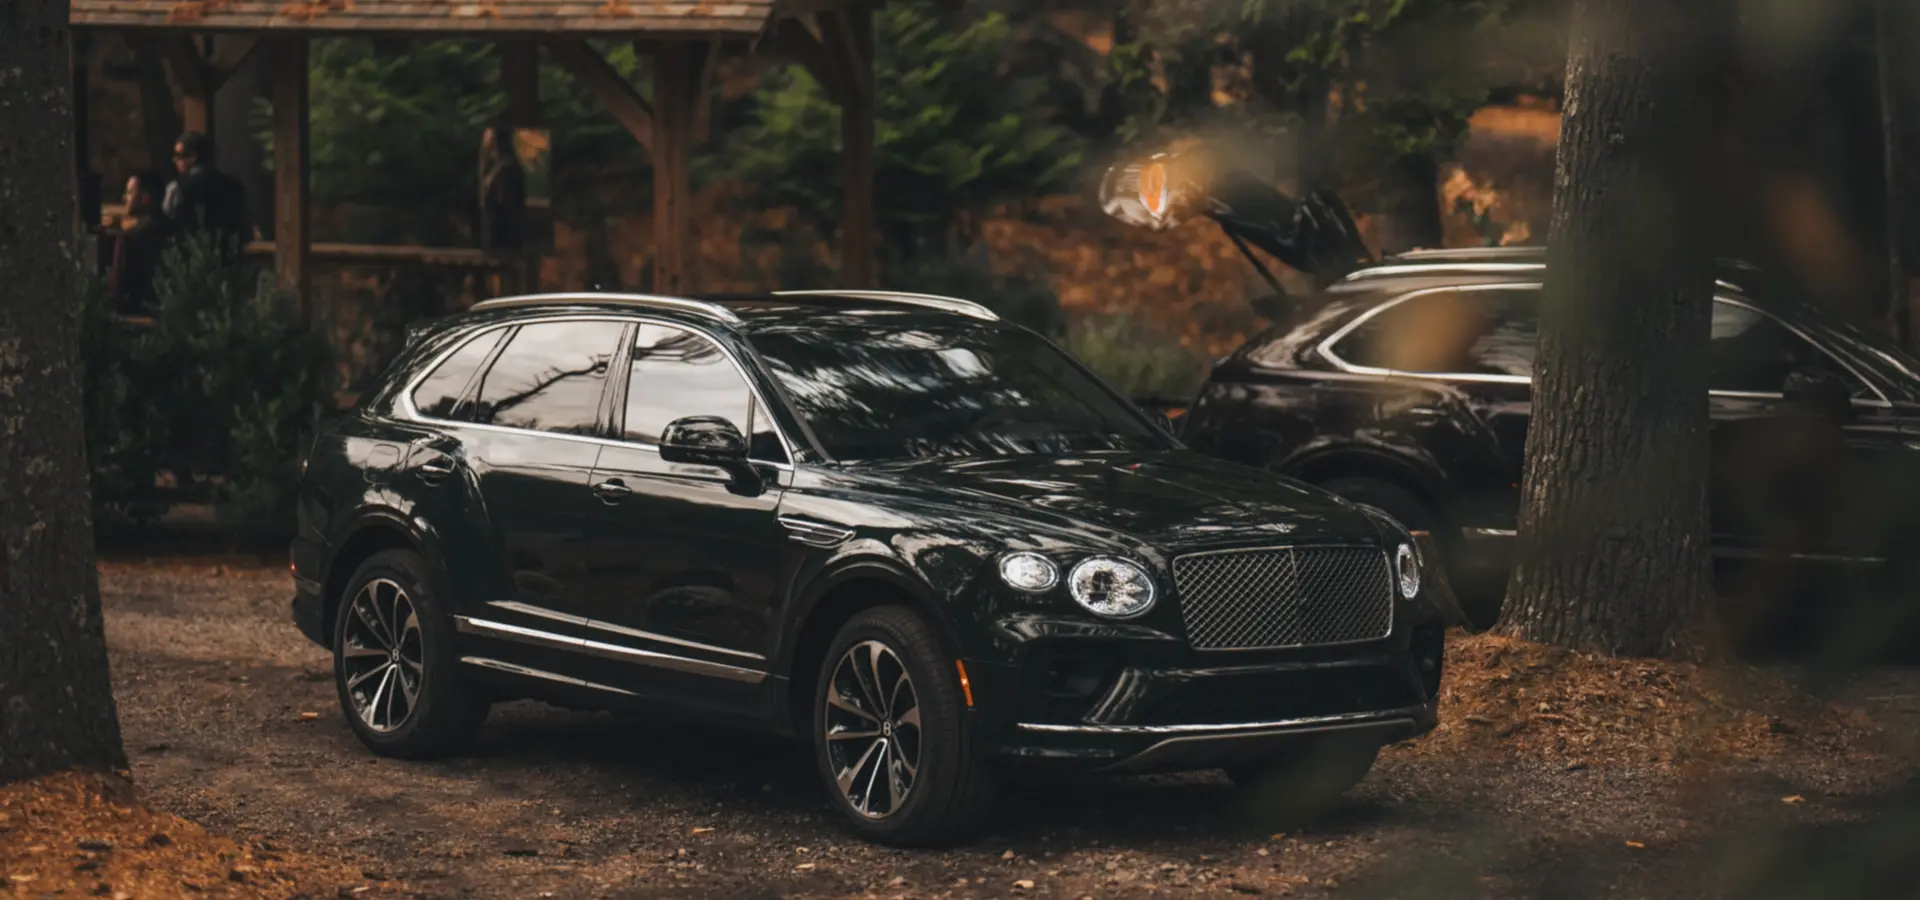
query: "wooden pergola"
205, 41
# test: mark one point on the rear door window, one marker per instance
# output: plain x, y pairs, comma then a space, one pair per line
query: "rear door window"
551, 377
438, 395
1453, 332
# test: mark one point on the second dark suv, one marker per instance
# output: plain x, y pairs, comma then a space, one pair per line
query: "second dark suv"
922, 539
1407, 385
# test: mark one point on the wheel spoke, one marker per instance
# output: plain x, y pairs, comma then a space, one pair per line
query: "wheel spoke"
362, 678
894, 788
912, 717
850, 774
379, 694
357, 652
873, 775
853, 735
409, 691
396, 683
840, 702
882, 702
368, 618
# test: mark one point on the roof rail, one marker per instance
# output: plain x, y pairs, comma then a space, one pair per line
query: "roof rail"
930, 301
697, 307
1472, 254
1414, 268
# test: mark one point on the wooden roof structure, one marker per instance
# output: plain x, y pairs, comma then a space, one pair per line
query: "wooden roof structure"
205, 41
655, 18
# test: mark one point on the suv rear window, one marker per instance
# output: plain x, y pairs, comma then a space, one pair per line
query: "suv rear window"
439, 394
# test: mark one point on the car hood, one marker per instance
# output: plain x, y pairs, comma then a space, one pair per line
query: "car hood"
1172, 499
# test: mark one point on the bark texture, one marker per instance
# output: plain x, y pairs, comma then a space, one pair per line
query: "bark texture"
1613, 525
56, 703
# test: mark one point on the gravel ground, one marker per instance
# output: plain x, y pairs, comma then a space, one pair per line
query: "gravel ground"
218, 697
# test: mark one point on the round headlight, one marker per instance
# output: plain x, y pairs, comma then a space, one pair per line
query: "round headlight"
1406, 569
1029, 572
1111, 587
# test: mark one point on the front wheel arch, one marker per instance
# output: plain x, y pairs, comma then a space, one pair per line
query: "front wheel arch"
830, 603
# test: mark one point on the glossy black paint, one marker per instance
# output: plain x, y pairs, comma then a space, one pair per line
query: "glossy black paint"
707, 571
1454, 441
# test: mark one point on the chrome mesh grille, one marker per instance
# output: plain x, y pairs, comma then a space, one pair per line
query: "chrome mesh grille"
1284, 596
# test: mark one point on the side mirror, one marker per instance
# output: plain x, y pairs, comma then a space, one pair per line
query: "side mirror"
703, 440
711, 441
1817, 391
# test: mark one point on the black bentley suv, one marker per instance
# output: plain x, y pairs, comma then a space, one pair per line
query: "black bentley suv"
1406, 385
924, 540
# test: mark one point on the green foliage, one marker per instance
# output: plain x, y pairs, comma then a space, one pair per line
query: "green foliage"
221, 393
952, 133
1135, 358
395, 131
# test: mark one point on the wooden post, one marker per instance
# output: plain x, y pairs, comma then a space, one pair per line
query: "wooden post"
855, 37
291, 238
674, 82
189, 70
520, 80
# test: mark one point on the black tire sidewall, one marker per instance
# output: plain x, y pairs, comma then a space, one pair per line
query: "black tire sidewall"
926, 815
444, 717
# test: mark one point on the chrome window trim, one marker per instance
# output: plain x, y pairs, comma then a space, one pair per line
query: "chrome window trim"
700, 307
542, 674
1325, 348
538, 638
409, 412
584, 622
1228, 728
930, 301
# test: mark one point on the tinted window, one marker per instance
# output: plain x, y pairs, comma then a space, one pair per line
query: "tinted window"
883, 391
1483, 332
440, 392
1754, 353
678, 373
549, 377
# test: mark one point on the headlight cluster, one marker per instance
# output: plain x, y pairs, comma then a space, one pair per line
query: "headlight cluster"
1406, 570
1110, 587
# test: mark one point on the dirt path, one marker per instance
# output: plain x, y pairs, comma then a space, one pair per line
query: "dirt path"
213, 682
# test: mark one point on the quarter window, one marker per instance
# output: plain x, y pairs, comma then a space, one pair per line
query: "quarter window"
440, 393
1463, 332
1753, 353
678, 373
549, 378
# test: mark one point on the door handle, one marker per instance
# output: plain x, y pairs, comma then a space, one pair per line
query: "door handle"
434, 469
613, 490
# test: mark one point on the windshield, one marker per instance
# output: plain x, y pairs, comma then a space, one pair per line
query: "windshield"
883, 391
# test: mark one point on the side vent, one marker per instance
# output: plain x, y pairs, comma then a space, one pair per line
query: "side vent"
815, 533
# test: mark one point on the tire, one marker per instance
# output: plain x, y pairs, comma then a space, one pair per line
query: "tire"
444, 713
948, 791
1305, 781
1401, 504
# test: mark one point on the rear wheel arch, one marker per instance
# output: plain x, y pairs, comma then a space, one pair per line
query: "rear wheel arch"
373, 535
1334, 466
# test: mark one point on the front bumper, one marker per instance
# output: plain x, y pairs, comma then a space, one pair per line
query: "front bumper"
309, 610
1122, 706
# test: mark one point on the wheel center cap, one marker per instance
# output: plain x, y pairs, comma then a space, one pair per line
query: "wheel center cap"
394, 656
886, 729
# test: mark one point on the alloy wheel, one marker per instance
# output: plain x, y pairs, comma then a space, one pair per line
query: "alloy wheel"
382, 656
873, 729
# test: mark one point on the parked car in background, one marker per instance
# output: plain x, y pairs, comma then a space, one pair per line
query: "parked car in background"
1406, 386
925, 541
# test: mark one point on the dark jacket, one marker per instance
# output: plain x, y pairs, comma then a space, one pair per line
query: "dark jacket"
206, 197
503, 208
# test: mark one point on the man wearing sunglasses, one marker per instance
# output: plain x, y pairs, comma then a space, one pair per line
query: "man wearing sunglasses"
203, 196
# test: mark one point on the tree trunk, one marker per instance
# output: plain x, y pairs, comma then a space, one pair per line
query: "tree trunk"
1613, 525
56, 703
1410, 204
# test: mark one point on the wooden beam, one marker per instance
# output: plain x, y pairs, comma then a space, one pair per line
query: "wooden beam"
292, 237
703, 92
603, 81
230, 52
676, 73
852, 43
520, 79
189, 71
